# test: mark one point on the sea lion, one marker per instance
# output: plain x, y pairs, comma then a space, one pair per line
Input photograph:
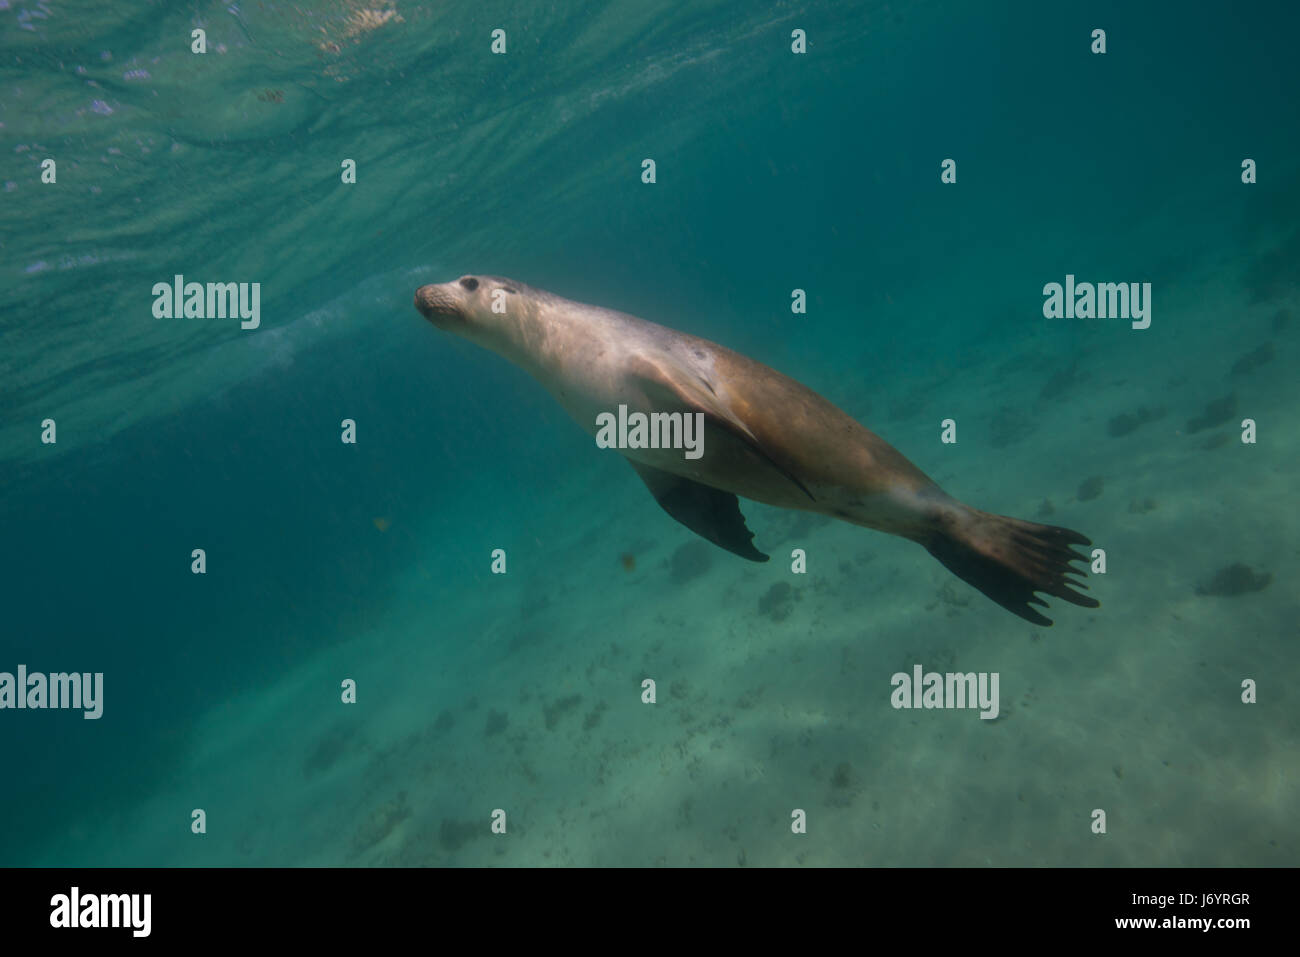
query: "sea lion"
766, 437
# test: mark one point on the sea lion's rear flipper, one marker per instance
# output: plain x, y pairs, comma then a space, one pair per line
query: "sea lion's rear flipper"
708, 512
1009, 560
667, 384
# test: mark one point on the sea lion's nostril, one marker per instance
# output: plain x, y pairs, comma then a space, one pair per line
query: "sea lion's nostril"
469, 282
424, 299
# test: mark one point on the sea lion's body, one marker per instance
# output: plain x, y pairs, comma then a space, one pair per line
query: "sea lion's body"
766, 437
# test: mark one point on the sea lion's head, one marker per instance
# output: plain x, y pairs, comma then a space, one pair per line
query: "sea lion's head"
471, 306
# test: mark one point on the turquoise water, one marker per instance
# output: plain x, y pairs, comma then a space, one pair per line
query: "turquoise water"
522, 692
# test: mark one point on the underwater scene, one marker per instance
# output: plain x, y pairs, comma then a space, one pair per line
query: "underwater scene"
649, 434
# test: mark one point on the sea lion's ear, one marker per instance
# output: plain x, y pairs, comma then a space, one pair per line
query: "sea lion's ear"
708, 512
665, 385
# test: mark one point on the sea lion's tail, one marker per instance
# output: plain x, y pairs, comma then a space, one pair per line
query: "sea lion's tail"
1009, 560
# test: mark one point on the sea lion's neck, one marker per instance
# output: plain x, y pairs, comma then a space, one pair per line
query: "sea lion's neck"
550, 338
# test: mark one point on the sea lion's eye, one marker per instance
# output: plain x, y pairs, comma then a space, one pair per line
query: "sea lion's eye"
508, 289
469, 282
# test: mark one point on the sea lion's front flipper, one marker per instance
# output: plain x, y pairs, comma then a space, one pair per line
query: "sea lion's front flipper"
708, 512
667, 385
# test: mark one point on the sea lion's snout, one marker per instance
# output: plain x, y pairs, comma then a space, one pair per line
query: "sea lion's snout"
437, 302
